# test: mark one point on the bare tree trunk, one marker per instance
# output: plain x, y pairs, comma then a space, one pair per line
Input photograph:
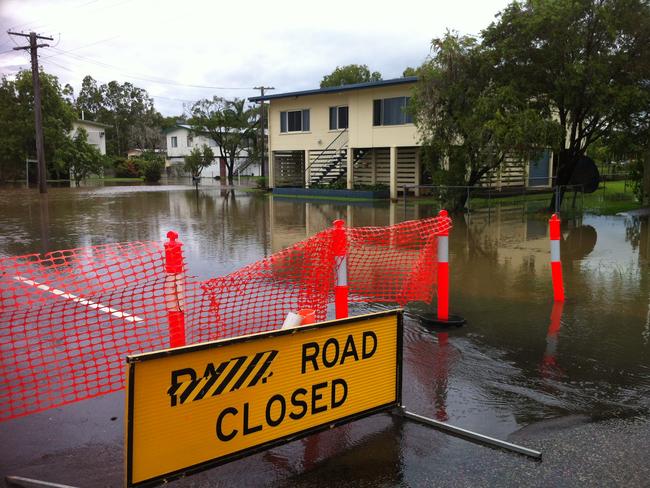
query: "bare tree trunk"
566, 164
230, 164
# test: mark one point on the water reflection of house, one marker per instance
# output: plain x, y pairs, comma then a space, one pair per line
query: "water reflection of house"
520, 243
360, 134
291, 223
515, 240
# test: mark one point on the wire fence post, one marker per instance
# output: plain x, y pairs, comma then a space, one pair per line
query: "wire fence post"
340, 248
444, 222
556, 263
174, 292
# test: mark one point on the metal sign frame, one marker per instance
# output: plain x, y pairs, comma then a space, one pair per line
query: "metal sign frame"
132, 362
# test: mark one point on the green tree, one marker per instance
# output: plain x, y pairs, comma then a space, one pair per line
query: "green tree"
198, 160
17, 139
350, 74
152, 165
468, 125
585, 61
254, 149
229, 123
172, 121
128, 109
410, 71
78, 158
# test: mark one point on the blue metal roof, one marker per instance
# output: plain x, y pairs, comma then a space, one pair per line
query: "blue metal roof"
337, 89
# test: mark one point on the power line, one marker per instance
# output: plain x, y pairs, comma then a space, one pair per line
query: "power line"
154, 97
60, 66
81, 47
184, 100
35, 23
174, 99
143, 77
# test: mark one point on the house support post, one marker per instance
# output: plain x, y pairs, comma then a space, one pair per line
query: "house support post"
271, 173
418, 172
393, 173
373, 167
350, 169
307, 169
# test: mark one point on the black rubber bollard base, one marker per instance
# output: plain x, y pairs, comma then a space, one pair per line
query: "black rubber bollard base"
431, 319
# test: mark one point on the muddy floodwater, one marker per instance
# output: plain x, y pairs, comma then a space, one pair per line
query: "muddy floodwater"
572, 381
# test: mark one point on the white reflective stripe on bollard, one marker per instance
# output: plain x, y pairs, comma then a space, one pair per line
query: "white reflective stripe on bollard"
555, 251
443, 249
341, 263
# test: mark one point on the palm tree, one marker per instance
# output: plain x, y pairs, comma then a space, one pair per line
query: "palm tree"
229, 123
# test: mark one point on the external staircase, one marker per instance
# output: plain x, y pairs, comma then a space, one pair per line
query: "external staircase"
329, 166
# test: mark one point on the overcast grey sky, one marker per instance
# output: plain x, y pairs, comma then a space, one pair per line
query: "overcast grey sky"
165, 46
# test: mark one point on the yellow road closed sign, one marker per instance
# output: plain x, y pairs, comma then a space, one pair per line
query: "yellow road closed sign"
198, 406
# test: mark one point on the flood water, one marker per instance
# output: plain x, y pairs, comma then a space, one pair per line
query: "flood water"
517, 364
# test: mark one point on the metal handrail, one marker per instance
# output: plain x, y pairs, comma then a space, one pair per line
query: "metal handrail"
344, 131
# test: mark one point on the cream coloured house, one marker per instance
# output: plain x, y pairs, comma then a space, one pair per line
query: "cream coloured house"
360, 134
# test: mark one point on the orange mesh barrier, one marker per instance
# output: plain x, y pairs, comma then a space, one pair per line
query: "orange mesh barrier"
393, 264
68, 318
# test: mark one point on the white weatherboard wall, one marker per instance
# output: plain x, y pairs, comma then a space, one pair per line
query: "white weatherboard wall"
96, 133
186, 141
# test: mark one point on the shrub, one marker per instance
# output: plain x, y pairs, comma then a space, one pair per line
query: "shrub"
262, 183
127, 168
636, 173
152, 170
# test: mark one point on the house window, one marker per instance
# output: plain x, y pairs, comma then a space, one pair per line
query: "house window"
189, 141
338, 118
391, 111
294, 121
174, 141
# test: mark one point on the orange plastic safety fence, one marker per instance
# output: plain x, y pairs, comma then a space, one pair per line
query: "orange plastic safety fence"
69, 318
394, 264
258, 297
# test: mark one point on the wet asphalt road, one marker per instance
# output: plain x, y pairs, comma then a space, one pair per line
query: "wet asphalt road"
576, 452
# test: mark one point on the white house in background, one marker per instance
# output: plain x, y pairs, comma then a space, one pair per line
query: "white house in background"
96, 133
180, 142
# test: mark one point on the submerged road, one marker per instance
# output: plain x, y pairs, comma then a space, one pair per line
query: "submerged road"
573, 384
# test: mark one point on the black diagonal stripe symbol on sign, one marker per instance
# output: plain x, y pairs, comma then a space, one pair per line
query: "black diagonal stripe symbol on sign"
214, 381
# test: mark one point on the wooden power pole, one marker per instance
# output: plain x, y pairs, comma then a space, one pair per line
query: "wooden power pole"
38, 115
263, 171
